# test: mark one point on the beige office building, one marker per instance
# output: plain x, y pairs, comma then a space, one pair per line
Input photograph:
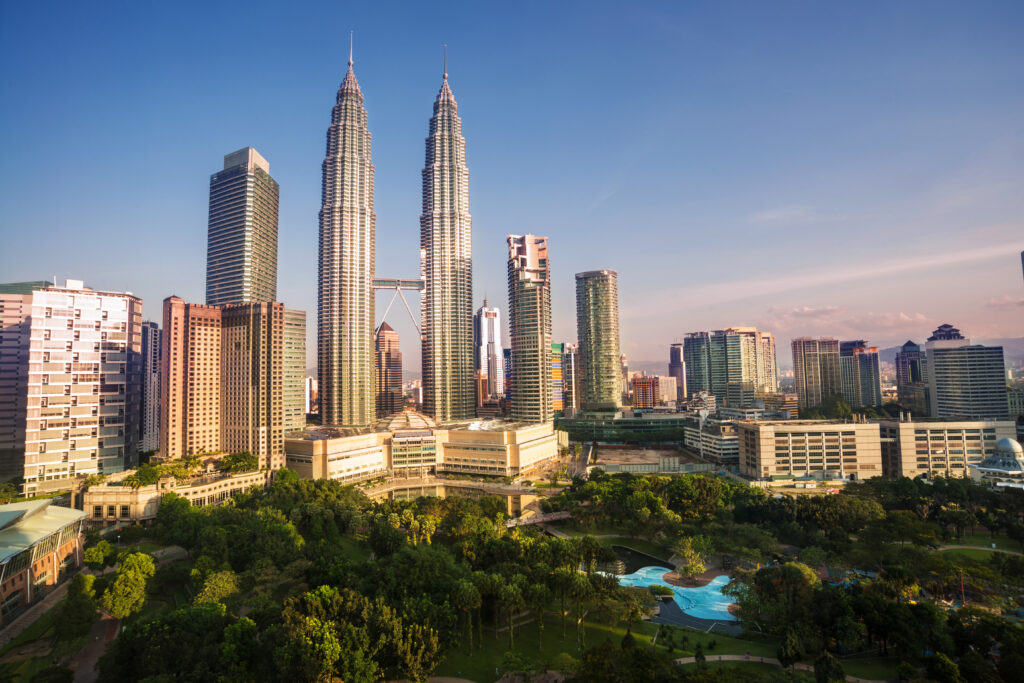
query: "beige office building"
252, 381
294, 370
809, 448
409, 445
222, 380
190, 386
83, 393
915, 447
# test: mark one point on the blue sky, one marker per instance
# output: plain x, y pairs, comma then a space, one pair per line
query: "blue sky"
847, 169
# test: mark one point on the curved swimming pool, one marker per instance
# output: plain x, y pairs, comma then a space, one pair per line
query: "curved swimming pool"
705, 602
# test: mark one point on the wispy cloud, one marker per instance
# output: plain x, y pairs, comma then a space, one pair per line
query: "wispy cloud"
807, 311
1005, 301
667, 300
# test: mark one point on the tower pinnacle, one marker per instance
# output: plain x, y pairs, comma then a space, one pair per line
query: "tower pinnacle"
350, 49
445, 48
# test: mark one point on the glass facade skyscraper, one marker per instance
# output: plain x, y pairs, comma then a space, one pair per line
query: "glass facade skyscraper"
347, 252
446, 266
241, 247
597, 329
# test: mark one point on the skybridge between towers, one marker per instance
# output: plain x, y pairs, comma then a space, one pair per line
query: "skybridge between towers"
398, 284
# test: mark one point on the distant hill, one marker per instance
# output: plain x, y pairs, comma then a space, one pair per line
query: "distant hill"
1013, 348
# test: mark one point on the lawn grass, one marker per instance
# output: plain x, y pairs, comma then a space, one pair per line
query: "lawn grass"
750, 667
147, 547
875, 668
979, 554
982, 539
481, 664
654, 549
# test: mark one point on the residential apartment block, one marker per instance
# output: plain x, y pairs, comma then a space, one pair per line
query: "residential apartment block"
529, 326
83, 386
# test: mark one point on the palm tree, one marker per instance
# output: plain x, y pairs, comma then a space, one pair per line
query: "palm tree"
561, 583
538, 596
466, 598
580, 589
512, 599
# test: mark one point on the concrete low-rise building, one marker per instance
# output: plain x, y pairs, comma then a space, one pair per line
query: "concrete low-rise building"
916, 447
111, 503
789, 449
39, 543
714, 440
411, 445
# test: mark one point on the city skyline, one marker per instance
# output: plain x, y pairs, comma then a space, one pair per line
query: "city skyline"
952, 217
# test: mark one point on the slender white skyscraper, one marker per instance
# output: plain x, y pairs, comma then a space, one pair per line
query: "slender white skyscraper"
347, 236
487, 354
446, 266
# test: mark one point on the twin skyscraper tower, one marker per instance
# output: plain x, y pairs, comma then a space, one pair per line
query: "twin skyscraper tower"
345, 349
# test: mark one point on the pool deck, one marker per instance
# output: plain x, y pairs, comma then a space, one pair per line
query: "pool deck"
671, 614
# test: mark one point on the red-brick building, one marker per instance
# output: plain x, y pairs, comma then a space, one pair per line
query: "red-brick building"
39, 543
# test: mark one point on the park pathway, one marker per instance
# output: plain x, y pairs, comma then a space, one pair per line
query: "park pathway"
978, 547
767, 660
29, 616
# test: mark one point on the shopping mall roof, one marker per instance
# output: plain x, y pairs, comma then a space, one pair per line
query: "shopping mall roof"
24, 524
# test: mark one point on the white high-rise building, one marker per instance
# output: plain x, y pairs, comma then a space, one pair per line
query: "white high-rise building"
529, 327
487, 352
965, 381
446, 267
149, 437
347, 252
84, 385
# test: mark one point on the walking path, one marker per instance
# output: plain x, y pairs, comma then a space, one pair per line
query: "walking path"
83, 662
767, 660
29, 616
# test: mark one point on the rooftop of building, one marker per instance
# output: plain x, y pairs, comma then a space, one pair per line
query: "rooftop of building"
23, 287
26, 523
408, 421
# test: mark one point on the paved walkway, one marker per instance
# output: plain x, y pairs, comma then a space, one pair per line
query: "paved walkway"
83, 662
29, 616
978, 547
766, 660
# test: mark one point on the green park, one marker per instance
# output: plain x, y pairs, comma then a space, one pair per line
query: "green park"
313, 581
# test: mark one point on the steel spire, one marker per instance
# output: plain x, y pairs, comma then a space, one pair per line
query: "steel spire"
350, 48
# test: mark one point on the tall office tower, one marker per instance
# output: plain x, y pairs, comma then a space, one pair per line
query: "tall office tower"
506, 364
624, 365
965, 381
816, 370
241, 247
677, 369
697, 362
446, 266
389, 372
859, 374
347, 252
487, 348
190, 379
15, 328
668, 391
737, 360
84, 385
293, 359
557, 379
646, 393
529, 327
149, 420
312, 400
911, 383
252, 379
597, 329
570, 379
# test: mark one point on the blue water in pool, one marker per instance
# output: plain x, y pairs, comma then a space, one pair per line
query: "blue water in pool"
706, 602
